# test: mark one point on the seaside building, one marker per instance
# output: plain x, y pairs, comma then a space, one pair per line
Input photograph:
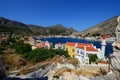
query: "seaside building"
81, 51
46, 45
31, 41
59, 46
71, 47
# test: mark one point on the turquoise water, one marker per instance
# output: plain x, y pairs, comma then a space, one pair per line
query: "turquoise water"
108, 49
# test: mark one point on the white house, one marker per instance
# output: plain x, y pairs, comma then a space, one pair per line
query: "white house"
59, 46
82, 51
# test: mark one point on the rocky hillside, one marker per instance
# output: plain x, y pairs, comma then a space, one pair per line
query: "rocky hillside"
9, 26
107, 27
51, 30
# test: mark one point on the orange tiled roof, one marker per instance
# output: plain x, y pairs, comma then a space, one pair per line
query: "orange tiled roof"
81, 47
91, 49
70, 44
84, 44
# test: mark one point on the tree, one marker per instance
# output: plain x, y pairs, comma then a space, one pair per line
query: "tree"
92, 57
22, 48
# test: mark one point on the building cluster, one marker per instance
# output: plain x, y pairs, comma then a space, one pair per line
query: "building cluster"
76, 50
38, 43
81, 51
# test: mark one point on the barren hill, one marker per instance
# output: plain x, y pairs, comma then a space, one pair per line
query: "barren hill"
107, 26
10, 26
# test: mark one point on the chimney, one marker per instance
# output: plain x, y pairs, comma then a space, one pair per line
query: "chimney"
76, 44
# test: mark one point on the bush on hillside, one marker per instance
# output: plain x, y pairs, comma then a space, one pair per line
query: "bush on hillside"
22, 48
41, 54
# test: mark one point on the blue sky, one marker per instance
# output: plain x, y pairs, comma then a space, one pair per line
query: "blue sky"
79, 14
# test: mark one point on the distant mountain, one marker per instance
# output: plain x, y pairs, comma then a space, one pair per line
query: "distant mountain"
51, 30
9, 26
107, 27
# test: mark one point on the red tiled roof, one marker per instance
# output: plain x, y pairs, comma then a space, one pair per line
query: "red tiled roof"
70, 44
84, 44
91, 49
81, 47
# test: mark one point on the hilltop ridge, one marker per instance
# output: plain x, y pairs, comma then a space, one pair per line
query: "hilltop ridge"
10, 26
107, 26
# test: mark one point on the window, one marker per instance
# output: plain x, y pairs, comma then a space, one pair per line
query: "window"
73, 56
82, 53
73, 50
86, 54
77, 51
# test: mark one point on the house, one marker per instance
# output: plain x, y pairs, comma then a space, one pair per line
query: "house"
46, 45
31, 40
81, 51
71, 47
59, 46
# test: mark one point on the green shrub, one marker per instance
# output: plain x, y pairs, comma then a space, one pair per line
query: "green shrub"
42, 54
22, 48
92, 57
57, 77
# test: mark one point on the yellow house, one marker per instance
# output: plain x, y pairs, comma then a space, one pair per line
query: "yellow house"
70, 47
